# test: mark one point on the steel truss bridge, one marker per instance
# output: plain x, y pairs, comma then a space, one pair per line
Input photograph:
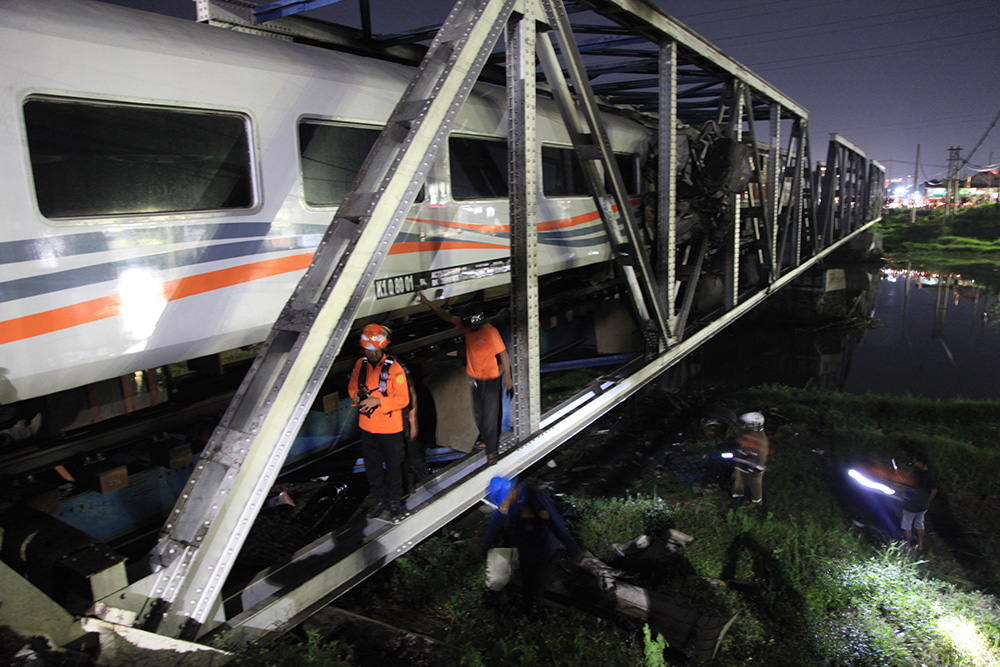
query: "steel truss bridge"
587, 55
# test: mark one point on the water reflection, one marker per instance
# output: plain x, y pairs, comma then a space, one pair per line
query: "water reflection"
939, 338
907, 333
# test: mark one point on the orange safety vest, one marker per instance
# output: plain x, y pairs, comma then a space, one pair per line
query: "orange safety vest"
389, 382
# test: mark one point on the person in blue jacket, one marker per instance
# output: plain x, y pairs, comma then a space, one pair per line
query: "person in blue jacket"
536, 529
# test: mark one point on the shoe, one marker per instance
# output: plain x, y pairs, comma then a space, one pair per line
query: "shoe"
376, 510
396, 512
491, 459
479, 445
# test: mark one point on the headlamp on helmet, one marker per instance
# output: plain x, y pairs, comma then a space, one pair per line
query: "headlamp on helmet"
474, 320
752, 420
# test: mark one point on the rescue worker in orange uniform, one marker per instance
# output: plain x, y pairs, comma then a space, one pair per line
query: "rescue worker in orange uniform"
487, 365
750, 460
379, 389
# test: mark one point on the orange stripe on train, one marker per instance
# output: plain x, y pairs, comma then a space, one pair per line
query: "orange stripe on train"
406, 247
110, 306
94, 310
543, 226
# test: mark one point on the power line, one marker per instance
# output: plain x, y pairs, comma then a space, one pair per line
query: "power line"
981, 140
796, 5
920, 125
921, 48
908, 14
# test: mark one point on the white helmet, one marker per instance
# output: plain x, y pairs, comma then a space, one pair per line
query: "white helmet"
752, 420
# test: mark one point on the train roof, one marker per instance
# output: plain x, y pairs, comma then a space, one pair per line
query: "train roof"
63, 46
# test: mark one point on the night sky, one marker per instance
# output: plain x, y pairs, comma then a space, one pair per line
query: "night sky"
887, 75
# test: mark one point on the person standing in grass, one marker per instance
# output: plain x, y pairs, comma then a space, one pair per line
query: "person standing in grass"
917, 500
750, 460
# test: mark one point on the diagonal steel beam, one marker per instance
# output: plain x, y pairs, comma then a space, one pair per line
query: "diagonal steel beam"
586, 130
201, 539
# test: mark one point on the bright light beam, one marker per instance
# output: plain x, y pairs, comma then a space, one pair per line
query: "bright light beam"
864, 481
968, 640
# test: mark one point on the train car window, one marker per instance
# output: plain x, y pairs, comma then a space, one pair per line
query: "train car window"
91, 158
332, 156
478, 168
561, 173
627, 168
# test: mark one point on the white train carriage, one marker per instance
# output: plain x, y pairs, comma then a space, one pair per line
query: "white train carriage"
164, 184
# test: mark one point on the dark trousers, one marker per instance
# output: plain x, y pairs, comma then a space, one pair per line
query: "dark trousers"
486, 410
383, 456
534, 580
415, 468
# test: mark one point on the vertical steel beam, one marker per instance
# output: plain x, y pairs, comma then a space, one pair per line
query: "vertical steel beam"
774, 180
876, 197
828, 196
732, 250
666, 185
522, 168
799, 201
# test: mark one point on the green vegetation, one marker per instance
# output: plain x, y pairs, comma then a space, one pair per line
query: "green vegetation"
968, 244
288, 652
811, 585
560, 385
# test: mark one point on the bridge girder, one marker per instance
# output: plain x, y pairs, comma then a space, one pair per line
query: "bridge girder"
783, 218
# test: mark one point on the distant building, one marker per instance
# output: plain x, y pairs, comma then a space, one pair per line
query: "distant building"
980, 188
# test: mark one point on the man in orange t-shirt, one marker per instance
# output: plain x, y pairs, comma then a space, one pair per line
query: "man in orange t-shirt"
378, 387
487, 365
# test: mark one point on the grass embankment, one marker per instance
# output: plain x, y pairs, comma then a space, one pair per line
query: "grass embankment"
968, 244
810, 585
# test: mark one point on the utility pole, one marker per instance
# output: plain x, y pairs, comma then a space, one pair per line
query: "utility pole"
913, 197
951, 196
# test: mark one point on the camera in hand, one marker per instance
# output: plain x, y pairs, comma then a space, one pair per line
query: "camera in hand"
361, 396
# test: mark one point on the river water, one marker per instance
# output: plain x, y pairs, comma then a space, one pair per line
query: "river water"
928, 340
934, 340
